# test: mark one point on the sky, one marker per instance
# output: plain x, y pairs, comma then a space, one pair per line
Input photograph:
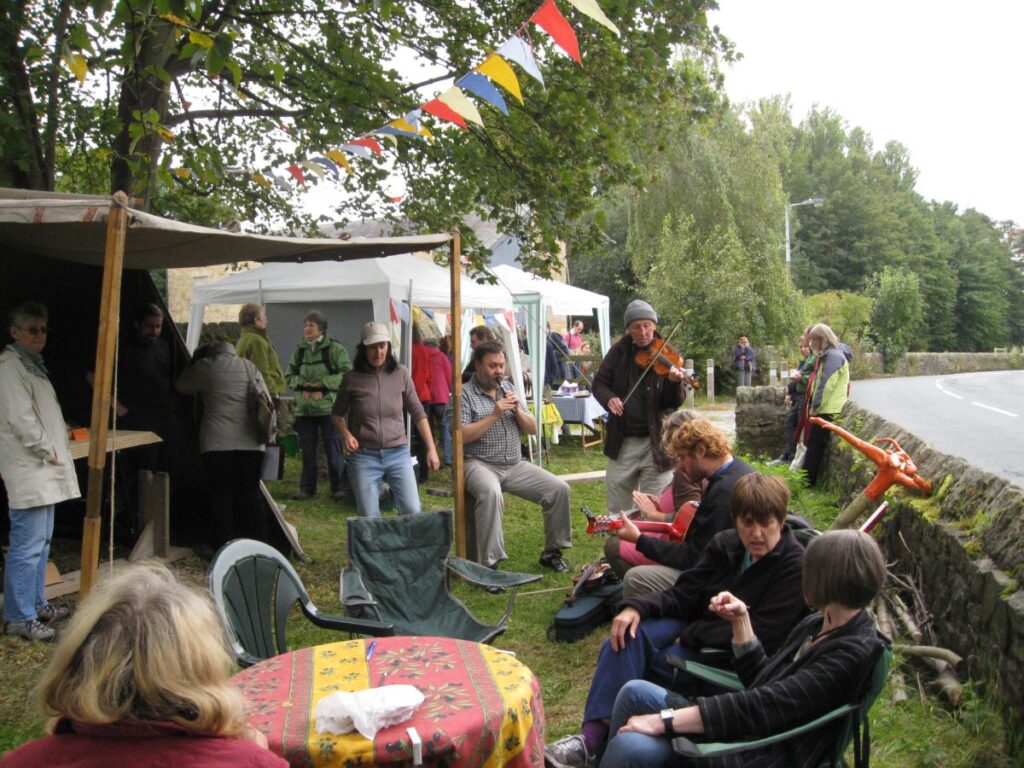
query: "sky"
942, 78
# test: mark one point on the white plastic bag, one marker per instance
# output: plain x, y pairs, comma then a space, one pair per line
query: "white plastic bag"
366, 711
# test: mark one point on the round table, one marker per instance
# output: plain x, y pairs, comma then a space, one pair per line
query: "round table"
482, 707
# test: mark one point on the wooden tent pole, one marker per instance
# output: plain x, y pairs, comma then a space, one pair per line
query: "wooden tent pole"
458, 474
110, 312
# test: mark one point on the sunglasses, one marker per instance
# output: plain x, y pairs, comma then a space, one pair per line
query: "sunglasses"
34, 330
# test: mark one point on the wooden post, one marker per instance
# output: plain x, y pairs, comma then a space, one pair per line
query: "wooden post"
689, 390
773, 373
110, 313
458, 474
709, 382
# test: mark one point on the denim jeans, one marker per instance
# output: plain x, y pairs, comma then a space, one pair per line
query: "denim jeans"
643, 657
309, 429
634, 750
25, 569
366, 470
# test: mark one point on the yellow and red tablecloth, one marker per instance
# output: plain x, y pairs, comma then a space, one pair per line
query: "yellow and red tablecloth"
482, 707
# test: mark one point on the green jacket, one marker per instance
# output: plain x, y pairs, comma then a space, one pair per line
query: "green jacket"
317, 369
805, 371
831, 383
254, 345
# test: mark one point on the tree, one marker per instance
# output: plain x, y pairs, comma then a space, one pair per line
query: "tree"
897, 315
848, 314
178, 93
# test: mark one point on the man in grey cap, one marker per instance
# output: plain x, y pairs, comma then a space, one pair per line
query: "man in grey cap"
633, 440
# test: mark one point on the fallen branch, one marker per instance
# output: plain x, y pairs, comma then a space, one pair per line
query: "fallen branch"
899, 609
930, 651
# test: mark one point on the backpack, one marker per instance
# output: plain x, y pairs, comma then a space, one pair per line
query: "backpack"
262, 414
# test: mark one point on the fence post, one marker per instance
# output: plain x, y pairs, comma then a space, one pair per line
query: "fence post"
773, 373
709, 381
689, 390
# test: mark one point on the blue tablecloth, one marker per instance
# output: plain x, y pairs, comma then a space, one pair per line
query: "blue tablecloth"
580, 410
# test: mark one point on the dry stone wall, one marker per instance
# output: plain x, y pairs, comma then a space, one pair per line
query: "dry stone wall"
964, 544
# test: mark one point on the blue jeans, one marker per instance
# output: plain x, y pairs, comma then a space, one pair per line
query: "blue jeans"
644, 657
309, 428
25, 569
634, 750
366, 470
441, 413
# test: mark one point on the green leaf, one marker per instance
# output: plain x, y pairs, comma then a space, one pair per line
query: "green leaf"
200, 39
160, 74
214, 62
236, 71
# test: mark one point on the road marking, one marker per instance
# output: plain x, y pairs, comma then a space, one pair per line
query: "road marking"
997, 410
938, 383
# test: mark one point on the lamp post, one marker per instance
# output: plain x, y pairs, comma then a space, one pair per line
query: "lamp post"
815, 201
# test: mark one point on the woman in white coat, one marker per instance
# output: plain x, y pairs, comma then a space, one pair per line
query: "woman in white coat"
37, 470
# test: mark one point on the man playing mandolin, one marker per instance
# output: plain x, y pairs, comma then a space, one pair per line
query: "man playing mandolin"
637, 396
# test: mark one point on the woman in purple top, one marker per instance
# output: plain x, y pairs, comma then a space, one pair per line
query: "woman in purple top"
744, 361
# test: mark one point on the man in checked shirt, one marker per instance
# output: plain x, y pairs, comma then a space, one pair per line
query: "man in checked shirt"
492, 420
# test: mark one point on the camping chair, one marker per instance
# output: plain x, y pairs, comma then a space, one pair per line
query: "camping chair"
254, 588
398, 572
854, 728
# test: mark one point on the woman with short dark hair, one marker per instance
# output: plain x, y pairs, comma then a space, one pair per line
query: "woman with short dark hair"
825, 662
369, 414
759, 559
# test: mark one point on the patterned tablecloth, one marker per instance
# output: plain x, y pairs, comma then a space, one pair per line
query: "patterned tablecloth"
580, 410
482, 706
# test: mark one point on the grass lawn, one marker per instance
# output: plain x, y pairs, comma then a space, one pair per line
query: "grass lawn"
914, 733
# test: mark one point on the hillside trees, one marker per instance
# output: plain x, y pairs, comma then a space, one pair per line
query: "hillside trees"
183, 96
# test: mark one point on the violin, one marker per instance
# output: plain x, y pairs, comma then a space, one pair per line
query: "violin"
660, 357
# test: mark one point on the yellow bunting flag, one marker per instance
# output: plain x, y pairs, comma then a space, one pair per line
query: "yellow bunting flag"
425, 133
456, 99
593, 10
260, 179
499, 70
339, 158
390, 137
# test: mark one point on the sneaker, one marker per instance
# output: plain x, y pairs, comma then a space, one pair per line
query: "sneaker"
302, 496
568, 752
30, 630
555, 561
50, 613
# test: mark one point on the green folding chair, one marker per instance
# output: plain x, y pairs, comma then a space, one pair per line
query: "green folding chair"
854, 716
399, 570
254, 589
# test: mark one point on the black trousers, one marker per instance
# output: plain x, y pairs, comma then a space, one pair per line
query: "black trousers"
235, 507
817, 444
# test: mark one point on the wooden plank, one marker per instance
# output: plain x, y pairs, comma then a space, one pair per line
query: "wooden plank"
117, 439
458, 470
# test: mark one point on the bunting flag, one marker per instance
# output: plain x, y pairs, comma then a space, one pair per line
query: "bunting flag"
260, 179
551, 20
518, 50
370, 143
593, 10
510, 317
456, 99
396, 198
356, 149
399, 127
498, 70
402, 309
480, 86
340, 159
314, 168
439, 109
391, 138
394, 312
295, 171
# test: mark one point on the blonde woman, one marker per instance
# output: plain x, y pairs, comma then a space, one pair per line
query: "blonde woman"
140, 678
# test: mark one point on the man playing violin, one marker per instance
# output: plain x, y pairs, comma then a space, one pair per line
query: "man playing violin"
636, 400
492, 419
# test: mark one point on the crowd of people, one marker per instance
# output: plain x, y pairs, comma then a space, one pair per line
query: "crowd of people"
738, 580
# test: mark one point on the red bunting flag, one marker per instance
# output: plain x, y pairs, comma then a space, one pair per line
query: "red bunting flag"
295, 171
551, 20
396, 199
394, 312
438, 108
368, 143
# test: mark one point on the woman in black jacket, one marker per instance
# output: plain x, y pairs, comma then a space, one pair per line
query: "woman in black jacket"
759, 559
824, 663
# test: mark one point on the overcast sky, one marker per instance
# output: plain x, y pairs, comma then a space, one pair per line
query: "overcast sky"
944, 78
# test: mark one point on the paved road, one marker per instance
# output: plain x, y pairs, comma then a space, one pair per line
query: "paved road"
977, 416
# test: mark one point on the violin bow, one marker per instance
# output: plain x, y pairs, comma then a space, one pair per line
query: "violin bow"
650, 365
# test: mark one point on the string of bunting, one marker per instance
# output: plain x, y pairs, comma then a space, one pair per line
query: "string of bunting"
453, 105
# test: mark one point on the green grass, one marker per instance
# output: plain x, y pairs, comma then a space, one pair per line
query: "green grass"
908, 735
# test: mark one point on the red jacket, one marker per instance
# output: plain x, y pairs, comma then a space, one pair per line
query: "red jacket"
139, 744
421, 371
440, 376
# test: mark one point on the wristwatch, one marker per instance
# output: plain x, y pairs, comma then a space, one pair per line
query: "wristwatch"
666, 718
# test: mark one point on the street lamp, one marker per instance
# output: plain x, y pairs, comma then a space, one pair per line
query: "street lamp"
815, 201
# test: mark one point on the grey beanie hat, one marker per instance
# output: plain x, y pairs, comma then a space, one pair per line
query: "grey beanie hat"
639, 309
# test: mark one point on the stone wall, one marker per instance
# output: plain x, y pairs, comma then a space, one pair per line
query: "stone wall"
965, 543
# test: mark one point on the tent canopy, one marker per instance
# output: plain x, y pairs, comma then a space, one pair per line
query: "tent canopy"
76, 231
375, 280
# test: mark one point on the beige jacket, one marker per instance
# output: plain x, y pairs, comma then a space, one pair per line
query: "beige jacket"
32, 432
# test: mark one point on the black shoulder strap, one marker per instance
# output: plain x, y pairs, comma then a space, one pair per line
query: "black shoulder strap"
325, 353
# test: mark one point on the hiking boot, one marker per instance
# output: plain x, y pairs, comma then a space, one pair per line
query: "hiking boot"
50, 613
33, 629
555, 561
568, 752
